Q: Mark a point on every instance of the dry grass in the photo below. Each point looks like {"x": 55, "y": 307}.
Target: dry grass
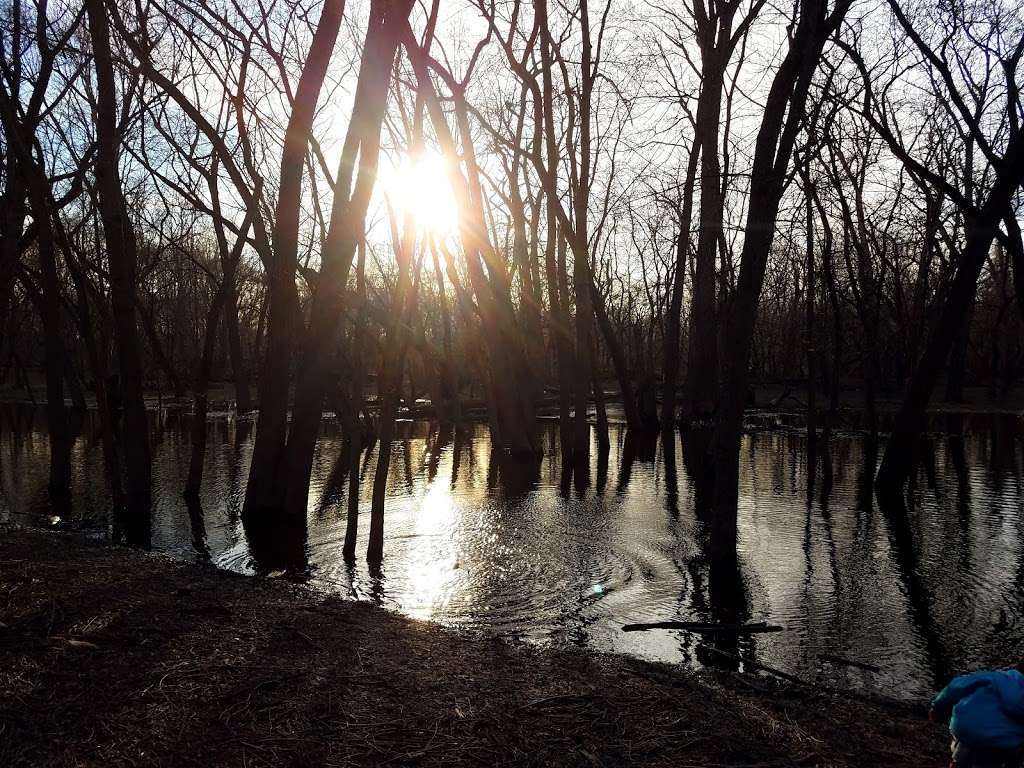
{"x": 111, "y": 657}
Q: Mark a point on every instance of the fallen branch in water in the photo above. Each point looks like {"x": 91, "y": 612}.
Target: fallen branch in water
{"x": 750, "y": 663}
{"x": 828, "y": 657}
{"x": 706, "y": 628}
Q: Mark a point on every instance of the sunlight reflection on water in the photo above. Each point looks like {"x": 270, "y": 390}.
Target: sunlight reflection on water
{"x": 535, "y": 553}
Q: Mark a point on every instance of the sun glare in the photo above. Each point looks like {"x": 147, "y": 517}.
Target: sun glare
{"x": 419, "y": 187}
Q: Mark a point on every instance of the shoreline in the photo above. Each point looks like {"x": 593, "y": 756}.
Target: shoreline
{"x": 770, "y": 398}
{"x": 114, "y": 656}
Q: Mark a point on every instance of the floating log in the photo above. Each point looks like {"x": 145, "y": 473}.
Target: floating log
{"x": 706, "y": 628}
{"x": 828, "y": 657}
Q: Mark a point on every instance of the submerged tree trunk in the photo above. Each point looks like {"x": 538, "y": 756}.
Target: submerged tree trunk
{"x": 673, "y": 322}
{"x": 812, "y": 353}
{"x": 221, "y": 298}
{"x": 354, "y": 426}
{"x": 201, "y": 396}
{"x": 346, "y": 230}
{"x": 55, "y": 367}
{"x": 702, "y": 363}
{"x": 783, "y": 115}
{"x": 558, "y": 325}
{"x": 583, "y": 369}
{"x": 98, "y": 363}
{"x": 47, "y": 295}
{"x": 265, "y": 491}
{"x": 898, "y": 461}
{"x": 122, "y": 254}
{"x": 614, "y": 347}
{"x": 603, "y": 441}
{"x": 239, "y": 372}
{"x": 390, "y": 379}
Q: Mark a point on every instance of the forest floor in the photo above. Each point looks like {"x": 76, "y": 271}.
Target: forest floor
{"x": 111, "y": 657}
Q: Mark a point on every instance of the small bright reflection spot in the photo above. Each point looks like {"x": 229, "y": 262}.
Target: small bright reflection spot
{"x": 55, "y": 520}
{"x": 597, "y": 589}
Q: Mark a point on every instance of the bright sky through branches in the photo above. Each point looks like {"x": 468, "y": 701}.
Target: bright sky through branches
{"x": 419, "y": 186}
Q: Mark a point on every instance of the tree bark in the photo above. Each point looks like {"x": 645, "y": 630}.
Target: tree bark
{"x": 346, "y": 230}
{"x": 702, "y": 364}
{"x": 356, "y": 433}
{"x": 266, "y": 489}
{"x": 122, "y": 253}
{"x": 898, "y": 461}
{"x": 221, "y": 297}
{"x": 239, "y": 372}
{"x": 782, "y": 117}
{"x": 614, "y": 347}
{"x": 673, "y": 322}
{"x": 390, "y": 379}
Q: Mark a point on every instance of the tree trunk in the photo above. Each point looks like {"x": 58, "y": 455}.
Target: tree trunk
{"x": 356, "y": 435}
{"x": 265, "y": 491}
{"x": 122, "y": 254}
{"x": 583, "y": 369}
{"x": 243, "y": 393}
{"x": 220, "y": 303}
{"x": 390, "y": 379}
{"x": 100, "y": 371}
{"x": 346, "y": 230}
{"x": 812, "y": 353}
{"x": 673, "y": 322}
{"x": 157, "y": 348}
{"x": 897, "y": 463}
{"x": 201, "y": 394}
{"x": 956, "y": 370}
{"x": 56, "y": 359}
{"x": 783, "y": 115}
{"x": 558, "y": 329}
{"x": 614, "y": 347}
{"x": 603, "y": 441}
{"x": 12, "y": 224}
{"x": 511, "y": 393}
{"x": 702, "y": 363}
{"x": 449, "y": 410}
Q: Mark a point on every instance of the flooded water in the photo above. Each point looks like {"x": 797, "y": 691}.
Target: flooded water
{"x": 537, "y": 554}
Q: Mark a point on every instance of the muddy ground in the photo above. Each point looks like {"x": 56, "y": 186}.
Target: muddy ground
{"x": 113, "y": 657}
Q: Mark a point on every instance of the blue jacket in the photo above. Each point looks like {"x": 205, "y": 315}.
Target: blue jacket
{"x": 987, "y": 709}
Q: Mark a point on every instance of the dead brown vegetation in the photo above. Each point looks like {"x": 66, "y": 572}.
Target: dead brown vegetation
{"x": 113, "y": 657}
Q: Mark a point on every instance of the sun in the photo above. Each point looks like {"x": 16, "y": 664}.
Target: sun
{"x": 418, "y": 186}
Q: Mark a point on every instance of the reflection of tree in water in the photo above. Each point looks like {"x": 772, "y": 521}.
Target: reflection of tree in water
{"x": 197, "y": 523}
{"x": 438, "y": 440}
{"x": 955, "y": 446}
{"x": 574, "y": 543}
{"x": 722, "y": 596}
{"x": 830, "y": 544}
{"x": 919, "y": 598}
{"x": 636, "y": 446}
{"x": 1004, "y": 434}
{"x": 668, "y": 454}
{"x": 517, "y": 476}
{"x": 689, "y": 569}
{"x": 333, "y": 490}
